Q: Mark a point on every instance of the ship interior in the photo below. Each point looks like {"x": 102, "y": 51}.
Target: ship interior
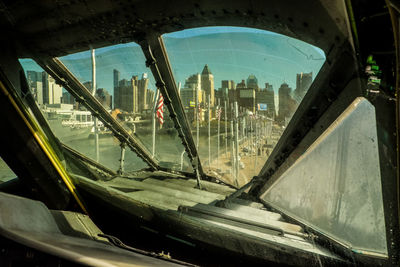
{"x": 325, "y": 193}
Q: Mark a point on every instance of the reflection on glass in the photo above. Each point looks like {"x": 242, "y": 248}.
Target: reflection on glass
{"x": 266, "y": 74}
{"x": 126, "y": 88}
{"x": 6, "y": 173}
{"x": 336, "y": 185}
{"x": 72, "y": 123}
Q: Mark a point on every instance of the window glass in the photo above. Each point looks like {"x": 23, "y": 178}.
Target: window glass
{"x": 336, "y": 185}
{"x": 127, "y": 89}
{"x": 267, "y": 74}
{"x": 73, "y": 124}
{"x": 6, "y": 173}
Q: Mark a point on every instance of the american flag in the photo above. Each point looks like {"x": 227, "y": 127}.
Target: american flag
{"x": 160, "y": 109}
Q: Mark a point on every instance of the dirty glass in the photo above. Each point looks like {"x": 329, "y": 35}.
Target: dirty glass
{"x": 126, "y": 87}
{"x": 267, "y": 74}
{"x": 72, "y": 123}
{"x": 336, "y": 185}
{"x": 6, "y": 173}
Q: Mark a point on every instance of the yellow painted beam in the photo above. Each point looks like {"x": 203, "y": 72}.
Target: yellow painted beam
{"x": 43, "y": 142}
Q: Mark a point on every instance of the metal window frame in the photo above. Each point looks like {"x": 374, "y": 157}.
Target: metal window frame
{"x": 157, "y": 60}
{"x": 64, "y": 77}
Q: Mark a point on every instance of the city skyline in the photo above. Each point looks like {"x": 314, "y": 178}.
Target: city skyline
{"x": 303, "y": 81}
{"x": 271, "y": 57}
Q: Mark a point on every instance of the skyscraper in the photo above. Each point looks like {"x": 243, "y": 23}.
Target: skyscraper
{"x": 229, "y": 84}
{"x": 247, "y": 99}
{"x": 284, "y": 101}
{"x": 303, "y": 82}
{"x": 245, "y": 96}
{"x": 207, "y": 84}
{"x": 67, "y": 98}
{"x": 52, "y": 92}
{"x": 150, "y": 98}
{"x": 126, "y": 93}
{"x": 117, "y": 98}
{"x": 35, "y": 83}
{"x": 116, "y": 77}
{"x": 252, "y": 82}
{"x": 267, "y": 96}
{"x": 223, "y": 92}
{"x": 188, "y": 92}
{"x": 88, "y": 86}
{"x": 104, "y": 98}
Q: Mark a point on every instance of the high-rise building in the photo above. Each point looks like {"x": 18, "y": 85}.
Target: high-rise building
{"x": 223, "y": 92}
{"x": 207, "y": 84}
{"x": 150, "y": 98}
{"x": 267, "y": 96}
{"x": 126, "y": 95}
{"x": 287, "y": 105}
{"x": 35, "y": 84}
{"x": 241, "y": 85}
{"x": 142, "y": 91}
{"x": 188, "y": 96}
{"x": 188, "y": 92}
{"x": 104, "y": 98}
{"x": 33, "y": 76}
{"x": 252, "y": 82}
{"x": 246, "y": 97}
{"x": 116, "y": 76}
{"x": 229, "y": 84}
{"x": 52, "y": 92}
{"x": 303, "y": 82}
{"x": 44, "y": 88}
{"x": 67, "y": 98}
{"x": 117, "y": 98}
{"x": 88, "y": 86}
{"x": 38, "y": 92}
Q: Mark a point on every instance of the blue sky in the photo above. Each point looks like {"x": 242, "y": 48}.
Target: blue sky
{"x": 232, "y": 53}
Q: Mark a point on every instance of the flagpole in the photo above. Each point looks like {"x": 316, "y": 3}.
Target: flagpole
{"x": 219, "y": 116}
{"x": 256, "y": 148}
{"x": 226, "y": 130}
{"x": 233, "y": 153}
{"x": 153, "y": 118}
{"x": 251, "y": 133}
{"x": 197, "y": 118}
{"x": 96, "y": 132}
{"x": 209, "y": 133}
{"x": 236, "y": 142}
